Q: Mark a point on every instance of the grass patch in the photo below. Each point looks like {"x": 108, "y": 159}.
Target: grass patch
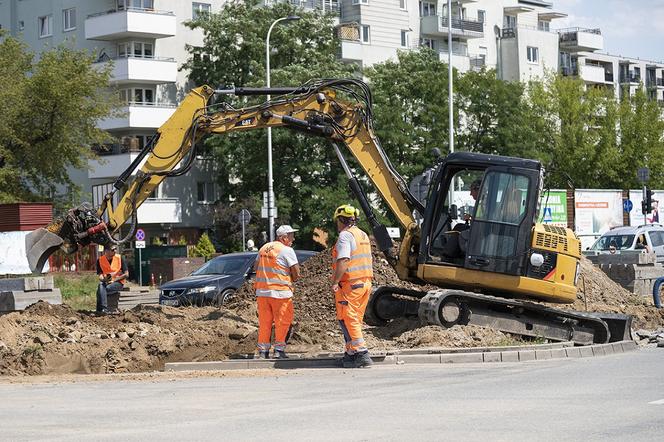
{"x": 79, "y": 290}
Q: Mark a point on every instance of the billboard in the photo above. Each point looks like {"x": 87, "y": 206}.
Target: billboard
{"x": 596, "y": 211}
{"x": 553, "y": 208}
{"x": 636, "y": 216}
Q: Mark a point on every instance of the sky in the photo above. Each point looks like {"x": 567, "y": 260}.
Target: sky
{"x": 631, "y": 28}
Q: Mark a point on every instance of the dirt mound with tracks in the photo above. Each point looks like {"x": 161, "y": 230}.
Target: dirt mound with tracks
{"x": 47, "y": 339}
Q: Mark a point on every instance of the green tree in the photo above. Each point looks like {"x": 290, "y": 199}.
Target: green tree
{"x": 306, "y": 172}
{"x": 203, "y": 247}
{"x": 49, "y": 109}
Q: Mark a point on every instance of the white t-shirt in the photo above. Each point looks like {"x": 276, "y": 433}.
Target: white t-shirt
{"x": 286, "y": 258}
{"x": 345, "y": 244}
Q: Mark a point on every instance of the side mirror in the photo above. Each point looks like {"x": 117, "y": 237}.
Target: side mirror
{"x": 454, "y": 212}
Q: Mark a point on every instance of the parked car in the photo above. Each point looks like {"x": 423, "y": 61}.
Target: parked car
{"x": 216, "y": 280}
{"x": 620, "y": 240}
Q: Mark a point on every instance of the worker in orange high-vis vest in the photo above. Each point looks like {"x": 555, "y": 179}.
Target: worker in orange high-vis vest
{"x": 112, "y": 271}
{"x": 352, "y": 272}
{"x": 276, "y": 269}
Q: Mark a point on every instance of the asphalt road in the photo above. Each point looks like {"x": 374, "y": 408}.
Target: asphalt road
{"x": 617, "y": 397}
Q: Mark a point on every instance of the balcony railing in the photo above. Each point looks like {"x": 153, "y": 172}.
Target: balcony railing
{"x": 464, "y": 24}
{"x": 570, "y": 34}
{"x": 326, "y": 5}
{"x": 131, "y": 9}
{"x": 631, "y": 78}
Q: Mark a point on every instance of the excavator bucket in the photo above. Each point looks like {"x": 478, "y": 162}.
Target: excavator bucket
{"x": 39, "y": 245}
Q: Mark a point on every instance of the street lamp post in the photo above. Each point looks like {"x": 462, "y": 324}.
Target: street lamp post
{"x": 270, "y": 181}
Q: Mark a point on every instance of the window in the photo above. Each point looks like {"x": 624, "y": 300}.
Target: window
{"x": 533, "y": 54}
{"x": 199, "y": 9}
{"x": 205, "y": 192}
{"x": 135, "y": 4}
{"x": 403, "y": 4}
{"x": 69, "y": 19}
{"x": 510, "y": 21}
{"x": 543, "y": 25}
{"x": 427, "y": 43}
{"x": 137, "y": 95}
{"x": 427, "y": 8}
{"x": 360, "y": 2}
{"x": 45, "y": 26}
{"x": 365, "y": 34}
{"x": 404, "y": 38}
{"x": 504, "y": 200}
{"x": 135, "y": 49}
{"x": 481, "y": 16}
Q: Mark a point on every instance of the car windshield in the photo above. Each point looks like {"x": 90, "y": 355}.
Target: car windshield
{"x": 620, "y": 242}
{"x": 223, "y": 265}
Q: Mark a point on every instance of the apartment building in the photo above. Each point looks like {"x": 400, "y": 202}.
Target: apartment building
{"x": 145, "y": 40}
{"x": 581, "y": 56}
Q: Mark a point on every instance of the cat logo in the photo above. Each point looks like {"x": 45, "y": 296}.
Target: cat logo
{"x": 245, "y": 122}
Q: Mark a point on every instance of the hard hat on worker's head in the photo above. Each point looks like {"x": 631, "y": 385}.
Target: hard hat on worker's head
{"x": 346, "y": 214}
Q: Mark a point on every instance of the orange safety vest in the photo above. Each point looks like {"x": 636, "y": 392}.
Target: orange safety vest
{"x": 270, "y": 275}
{"x": 360, "y": 264}
{"x": 114, "y": 268}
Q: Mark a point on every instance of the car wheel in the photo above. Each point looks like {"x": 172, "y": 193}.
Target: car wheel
{"x": 223, "y": 297}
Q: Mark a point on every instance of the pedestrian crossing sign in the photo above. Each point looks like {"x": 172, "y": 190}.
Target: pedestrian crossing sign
{"x": 547, "y": 218}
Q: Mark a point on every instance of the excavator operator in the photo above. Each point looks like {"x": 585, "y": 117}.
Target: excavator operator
{"x": 352, "y": 272}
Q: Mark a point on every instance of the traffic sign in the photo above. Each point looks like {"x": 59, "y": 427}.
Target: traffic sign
{"x": 140, "y": 235}
{"x": 548, "y": 216}
{"x": 628, "y": 205}
{"x": 643, "y": 174}
{"x": 140, "y": 244}
{"x": 244, "y": 217}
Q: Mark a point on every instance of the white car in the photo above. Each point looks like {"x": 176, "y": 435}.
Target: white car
{"x": 625, "y": 240}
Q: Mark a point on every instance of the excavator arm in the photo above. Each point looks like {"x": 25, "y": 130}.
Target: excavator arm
{"x": 339, "y": 110}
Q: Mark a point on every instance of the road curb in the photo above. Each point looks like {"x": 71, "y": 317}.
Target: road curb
{"x": 422, "y": 356}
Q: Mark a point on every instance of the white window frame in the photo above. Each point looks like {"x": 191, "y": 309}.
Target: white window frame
{"x": 404, "y": 38}
{"x": 532, "y": 54}
{"x": 135, "y": 4}
{"x": 68, "y": 19}
{"x": 365, "y": 35}
{"x": 198, "y": 7}
{"x": 403, "y": 5}
{"x": 45, "y": 26}
{"x": 481, "y": 15}
{"x": 360, "y": 2}
{"x": 428, "y": 43}
{"x": 544, "y": 25}
{"x": 507, "y": 23}
{"x": 427, "y": 9}
{"x": 128, "y": 95}
{"x": 127, "y": 49}
{"x": 21, "y": 25}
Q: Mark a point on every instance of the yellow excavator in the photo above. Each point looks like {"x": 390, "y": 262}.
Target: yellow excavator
{"x": 489, "y": 268}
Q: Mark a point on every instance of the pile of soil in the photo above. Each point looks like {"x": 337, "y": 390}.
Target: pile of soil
{"x": 46, "y": 339}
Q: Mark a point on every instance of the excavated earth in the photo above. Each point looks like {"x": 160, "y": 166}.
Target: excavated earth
{"x": 55, "y": 339}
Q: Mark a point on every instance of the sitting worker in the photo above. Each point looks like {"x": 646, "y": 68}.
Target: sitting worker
{"x": 112, "y": 271}
{"x": 474, "y": 192}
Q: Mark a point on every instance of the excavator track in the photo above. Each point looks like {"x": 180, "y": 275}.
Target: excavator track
{"x": 449, "y": 307}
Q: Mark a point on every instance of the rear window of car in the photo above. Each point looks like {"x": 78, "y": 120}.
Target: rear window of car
{"x": 224, "y": 265}
{"x": 620, "y": 242}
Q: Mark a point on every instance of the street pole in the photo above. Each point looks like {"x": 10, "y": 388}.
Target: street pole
{"x": 270, "y": 181}
{"x": 244, "y": 243}
{"x": 643, "y": 198}
{"x": 140, "y": 268}
{"x": 449, "y": 92}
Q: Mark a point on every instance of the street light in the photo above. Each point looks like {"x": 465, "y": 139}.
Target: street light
{"x": 270, "y": 181}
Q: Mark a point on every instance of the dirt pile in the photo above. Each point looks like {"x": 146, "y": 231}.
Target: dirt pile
{"x": 598, "y": 293}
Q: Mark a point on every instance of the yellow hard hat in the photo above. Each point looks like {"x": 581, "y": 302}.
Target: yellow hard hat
{"x": 347, "y": 211}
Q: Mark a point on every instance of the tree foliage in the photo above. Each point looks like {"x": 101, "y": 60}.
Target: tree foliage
{"x": 49, "y": 109}
{"x": 203, "y": 247}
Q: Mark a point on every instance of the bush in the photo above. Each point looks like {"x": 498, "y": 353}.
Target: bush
{"x": 204, "y": 247}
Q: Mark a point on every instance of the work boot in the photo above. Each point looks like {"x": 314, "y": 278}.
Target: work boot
{"x": 280, "y": 354}
{"x": 264, "y": 354}
{"x": 348, "y": 361}
{"x": 362, "y": 360}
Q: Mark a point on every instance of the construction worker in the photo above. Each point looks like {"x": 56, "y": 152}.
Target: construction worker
{"x": 276, "y": 270}
{"x": 112, "y": 271}
{"x": 352, "y": 272}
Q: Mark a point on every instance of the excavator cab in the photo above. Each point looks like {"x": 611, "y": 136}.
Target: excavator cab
{"x": 495, "y": 235}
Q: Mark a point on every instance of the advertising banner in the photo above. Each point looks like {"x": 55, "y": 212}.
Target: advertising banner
{"x": 635, "y": 215}
{"x": 596, "y": 211}
{"x": 553, "y": 208}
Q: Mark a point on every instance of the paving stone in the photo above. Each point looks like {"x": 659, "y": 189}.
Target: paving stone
{"x": 420, "y": 359}
{"x": 573, "y": 352}
{"x": 598, "y": 351}
{"x": 608, "y": 349}
{"x": 542, "y": 355}
{"x": 491, "y": 356}
{"x": 628, "y": 345}
{"x": 558, "y": 353}
{"x": 509, "y": 356}
{"x": 586, "y": 352}
{"x": 527, "y": 355}
{"x": 461, "y": 358}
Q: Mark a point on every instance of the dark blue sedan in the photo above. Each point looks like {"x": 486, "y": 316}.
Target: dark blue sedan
{"x": 215, "y": 281}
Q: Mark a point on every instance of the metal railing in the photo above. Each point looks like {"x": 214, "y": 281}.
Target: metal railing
{"x": 327, "y": 5}
{"x": 477, "y": 61}
{"x": 464, "y": 24}
{"x": 631, "y": 78}
{"x": 597, "y": 31}
{"x": 132, "y": 9}
{"x": 508, "y": 33}
{"x": 149, "y": 104}
{"x": 104, "y": 58}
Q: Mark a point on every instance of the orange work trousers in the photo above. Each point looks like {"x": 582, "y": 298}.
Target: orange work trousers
{"x": 279, "y": 312}
{"x": 351, "y": 302}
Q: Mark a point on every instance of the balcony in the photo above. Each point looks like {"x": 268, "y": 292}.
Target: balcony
{"x": 133, "y": 22}
{"x": 629, "y": 77}
{"x": 139, "y": 116}
{"x": 329, "y": 6}
{"x": 592, "y": 74}
{"x": 660, "y": 82}
{"x": 152, "y": 70}
{"x": 608, "y": 77}
{"x": 351, "y": 50}
{"x": 160, "y": 210}
{"x": 580, "y": 39}
{"x": 436, "y": 25}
